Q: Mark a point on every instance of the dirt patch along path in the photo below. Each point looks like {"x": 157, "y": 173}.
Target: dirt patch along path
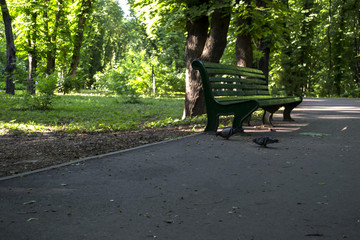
{"x": 24, "y": 153}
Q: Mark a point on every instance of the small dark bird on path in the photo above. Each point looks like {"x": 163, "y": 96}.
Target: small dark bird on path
{"x": 264, "y": 140}
{"x": 226, "y": 133}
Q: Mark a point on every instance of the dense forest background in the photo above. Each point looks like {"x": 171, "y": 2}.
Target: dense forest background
{"x": 312, "y": 47}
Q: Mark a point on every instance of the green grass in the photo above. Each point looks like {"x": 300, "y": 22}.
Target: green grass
{"x": 90, "y": 113}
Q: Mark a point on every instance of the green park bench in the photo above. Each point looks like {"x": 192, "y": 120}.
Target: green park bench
{"x": 239, "y": 91}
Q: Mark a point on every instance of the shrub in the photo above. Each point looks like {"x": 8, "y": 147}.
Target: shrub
{"x": 115, "y": 82}
{"x": 45, "y": 87}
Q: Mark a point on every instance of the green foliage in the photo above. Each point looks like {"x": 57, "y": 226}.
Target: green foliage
{"x": 37, "y": 102}
{"x": 43, "y": 100}
{"x": 46, "y": 84}
{"x": 113, "y": 81}
{"x": 106, "y": 40}
{"x": 318, "y": 55}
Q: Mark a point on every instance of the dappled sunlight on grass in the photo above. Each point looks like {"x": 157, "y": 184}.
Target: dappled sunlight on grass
{"x": 91, "y": 113}
{"x": 13, "y": 128}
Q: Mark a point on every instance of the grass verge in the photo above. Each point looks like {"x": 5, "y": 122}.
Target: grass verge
{"x": 91, "y": 113}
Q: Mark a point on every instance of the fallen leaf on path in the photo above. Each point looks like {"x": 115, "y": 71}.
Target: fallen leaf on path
{"x": 29, "y": 202}
{"x": 314, "y": 134}
{"x": 31, "y": 219}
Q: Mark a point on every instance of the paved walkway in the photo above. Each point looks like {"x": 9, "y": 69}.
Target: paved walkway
{"x": 203, "y": 187}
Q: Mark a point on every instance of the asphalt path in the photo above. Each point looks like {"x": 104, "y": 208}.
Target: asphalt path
{"x": 203, "y": 187}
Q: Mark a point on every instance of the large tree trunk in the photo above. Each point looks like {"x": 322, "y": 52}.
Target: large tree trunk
{"x": 265, "y": 59}
{"x": 10, "y": 49}
{"x": 243, "y": 47}
{"x": 83, "y": 15}
{"x": 207, "y": 47}
{"x": 217, "y": 38}
{"x": 197, "y": 33}
{"x": 244, "y": 50}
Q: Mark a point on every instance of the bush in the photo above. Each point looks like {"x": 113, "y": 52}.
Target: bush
{"x": 2, "y": 85}
{"x": 45, "y": 87}
{"x": 111, "y": 81}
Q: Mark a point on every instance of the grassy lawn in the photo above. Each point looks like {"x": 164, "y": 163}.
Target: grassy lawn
{"x": 90, "y": 113}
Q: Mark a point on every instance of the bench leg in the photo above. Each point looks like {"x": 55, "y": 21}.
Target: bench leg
{"x": 240, "y": 110}
{"x": 288, "y": 109}
{"x": 212, "y": 122}
{"x": 244, "y": 114}
{"x": 247, "y": 120}
{"x": 268, "y": 115}
{"x": 267, "y": 118}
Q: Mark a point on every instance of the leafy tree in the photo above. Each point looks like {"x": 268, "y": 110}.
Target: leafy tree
{"x": 106, "y": 39}
{"x": 52, "y": 31}
{"x": 206, "y": 23}
{"x": 204, "y": 43}
{"x": 294, "y": 55}
{"x": 31, "y": 14}
{"x": 83, "y": 14}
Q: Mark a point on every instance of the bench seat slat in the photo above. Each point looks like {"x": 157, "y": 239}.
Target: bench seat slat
{"x": 277, "y": 101}
{"x": 263, "y": 102}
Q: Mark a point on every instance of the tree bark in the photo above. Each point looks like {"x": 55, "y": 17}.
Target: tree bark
{"x": 197, "y": 33}
{"x": 51, "y": 38}
{"x": 206, "y": 47}
{"x": 83, "y": 15}
{"x": 244, "y": 50}
{"x": 217, "y": 38}
{"x": 10, "y": 49}
{"x": 265, "y": 59}
{"x": 243, "y": 47}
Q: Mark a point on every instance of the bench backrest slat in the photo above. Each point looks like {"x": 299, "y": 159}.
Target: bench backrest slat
{"x": 226, "y": 86}
{"x": 256, "y": 92}
{"x": 228, "y": 93}
{"x": 222, "y": 81}
{"x": 210, "y": 65}
{"x": 213, "y": 71}
{"x": 237, "y": 79}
